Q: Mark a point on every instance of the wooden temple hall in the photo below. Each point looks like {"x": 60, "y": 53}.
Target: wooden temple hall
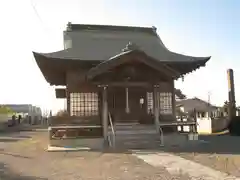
{"x": 116, "y": 74}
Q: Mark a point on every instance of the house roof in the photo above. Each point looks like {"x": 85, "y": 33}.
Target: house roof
{"x": 102, "y": 42}
{"x": 197, "y": 104}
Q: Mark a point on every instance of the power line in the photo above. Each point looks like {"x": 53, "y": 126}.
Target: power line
{"x": 46, "y": 29}
{"x": 39, "y": 17}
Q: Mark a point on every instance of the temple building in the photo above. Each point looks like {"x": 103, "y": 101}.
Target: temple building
{"x": 124, "y": 71}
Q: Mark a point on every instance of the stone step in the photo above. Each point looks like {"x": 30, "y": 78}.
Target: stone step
{"x": 135, "y": 135}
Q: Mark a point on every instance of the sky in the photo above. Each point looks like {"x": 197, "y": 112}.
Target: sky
{"x": 191, "y": 27}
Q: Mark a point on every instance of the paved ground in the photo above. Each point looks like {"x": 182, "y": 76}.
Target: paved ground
{"x": 22, "y": 157}
{"x": 175, "y": 164}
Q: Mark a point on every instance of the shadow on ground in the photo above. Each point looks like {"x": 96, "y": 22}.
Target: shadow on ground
{"x": 224, "y": 144}
{"x": 23, "y": 127}
{"x": 8, "y": 174}
{"x": 207, "y": 144}
{"x": 8, "y": 138}
{"x": 2, "y": 152}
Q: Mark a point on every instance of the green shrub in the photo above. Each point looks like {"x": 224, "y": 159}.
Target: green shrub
{"x": 6, "y": 110}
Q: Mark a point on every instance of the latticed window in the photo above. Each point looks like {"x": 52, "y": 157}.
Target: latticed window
{"x": 165, "y": 102}
{"x": 149, "y": 102}
{"x": 84, "y": 104}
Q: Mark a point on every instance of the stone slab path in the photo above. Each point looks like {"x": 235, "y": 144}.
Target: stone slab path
{"x": 178, "y": 165}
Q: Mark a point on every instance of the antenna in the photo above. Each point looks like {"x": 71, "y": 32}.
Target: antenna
{"x": 209, "y": 97}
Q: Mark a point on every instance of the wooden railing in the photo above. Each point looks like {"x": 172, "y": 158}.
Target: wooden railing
{"x": 112, "y": 135}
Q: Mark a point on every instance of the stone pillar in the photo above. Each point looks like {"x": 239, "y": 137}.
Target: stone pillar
{"x": 156, "y": 107}
{"x": 105, "y": 114}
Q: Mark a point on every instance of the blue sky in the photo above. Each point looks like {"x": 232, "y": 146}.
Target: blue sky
{"x": 192, "y": 27}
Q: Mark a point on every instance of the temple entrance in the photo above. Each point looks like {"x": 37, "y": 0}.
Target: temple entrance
{"x": 127, "y": 104}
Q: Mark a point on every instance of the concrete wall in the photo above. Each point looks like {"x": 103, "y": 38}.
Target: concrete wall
{"x": 208, "y": 125}
{"x": 204, "y": 125}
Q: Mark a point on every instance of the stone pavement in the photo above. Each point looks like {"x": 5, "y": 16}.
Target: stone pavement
{"x": 176, "y": 165}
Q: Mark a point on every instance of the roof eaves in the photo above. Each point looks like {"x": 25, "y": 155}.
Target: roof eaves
{"x": 94, "y": 71}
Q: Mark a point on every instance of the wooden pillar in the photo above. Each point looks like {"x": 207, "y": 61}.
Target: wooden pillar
{"x": 68, "y": 101}
{"x": 173, "y": 100}
{"x": 156, "y": 107}
{"x": 127, "y": 110}
{"x": 105, "y": 114}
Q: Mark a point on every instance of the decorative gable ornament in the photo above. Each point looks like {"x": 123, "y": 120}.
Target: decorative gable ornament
{"x": 182, "y": 78}
{"x": 130, "y": 47}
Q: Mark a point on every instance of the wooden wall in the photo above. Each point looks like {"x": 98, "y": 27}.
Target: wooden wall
{"x": 76, "y": 82}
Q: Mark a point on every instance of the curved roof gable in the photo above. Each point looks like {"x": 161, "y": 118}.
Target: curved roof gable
{"x": 96, "y": 42}
{"x": 99, "y": 43}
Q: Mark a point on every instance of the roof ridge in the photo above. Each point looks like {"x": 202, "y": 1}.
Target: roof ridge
{"x": 76, "y": 27}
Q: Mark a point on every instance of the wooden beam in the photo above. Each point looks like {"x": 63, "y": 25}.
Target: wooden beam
{"x": 126, "y": 84}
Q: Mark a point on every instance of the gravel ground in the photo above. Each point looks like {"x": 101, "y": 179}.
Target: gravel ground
{"x": 218, "y": 152}
{"x": 23, "y": 157}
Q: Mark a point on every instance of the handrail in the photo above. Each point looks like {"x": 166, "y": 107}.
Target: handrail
{"x": 111, "y": 143}
{"x": 161, "y": 136}
{"x": 178, "y": 123}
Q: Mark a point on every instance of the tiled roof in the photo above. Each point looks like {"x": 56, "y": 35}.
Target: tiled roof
{"x": 98, "y": 43}
{"x": 195, "y": 103}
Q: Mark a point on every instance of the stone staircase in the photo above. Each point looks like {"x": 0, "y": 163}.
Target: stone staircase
{"x": 136, "y": 136}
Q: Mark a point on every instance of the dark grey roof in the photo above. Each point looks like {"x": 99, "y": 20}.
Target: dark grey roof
{"x": 195, "y": 103}
{"x": 97, "y": 42}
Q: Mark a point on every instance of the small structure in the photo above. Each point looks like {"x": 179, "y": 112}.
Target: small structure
{"x": 203, "y": 109}
{"x": 209, "y": 117}
{"x": 122, "y": 72}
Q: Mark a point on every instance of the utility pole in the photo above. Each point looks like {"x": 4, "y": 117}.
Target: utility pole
{"x": 209, "y": 98}
{"x": 231, "y": 94}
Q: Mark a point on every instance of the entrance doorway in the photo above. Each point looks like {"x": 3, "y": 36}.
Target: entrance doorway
{"x": 127, "y": 104}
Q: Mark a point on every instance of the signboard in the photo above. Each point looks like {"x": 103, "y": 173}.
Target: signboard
{"x": 60, "y": 93}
